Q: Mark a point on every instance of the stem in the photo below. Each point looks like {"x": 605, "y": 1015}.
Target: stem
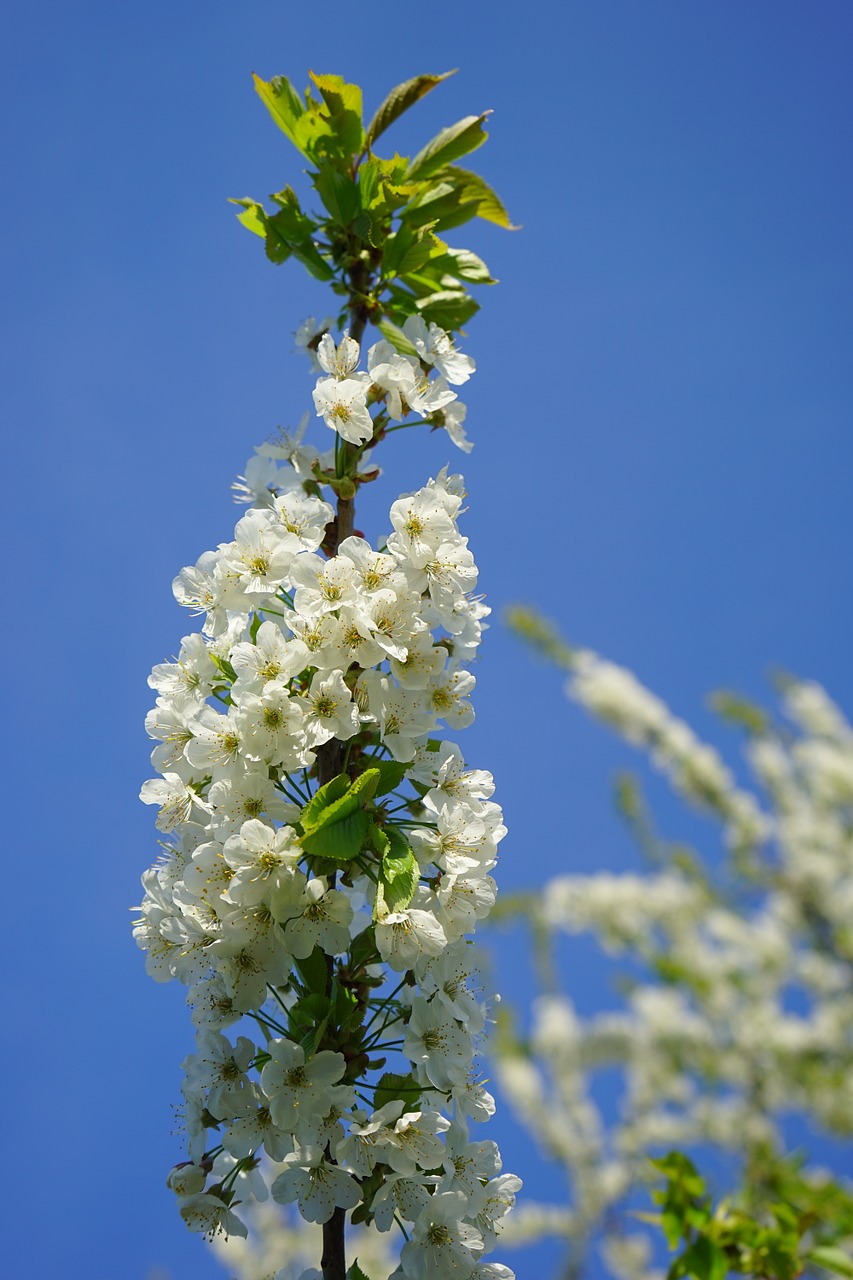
{"x": 334, "y": 1260}
{"x": 330, "y": 756}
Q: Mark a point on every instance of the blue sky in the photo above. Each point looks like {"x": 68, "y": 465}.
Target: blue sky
{"x": 662, "y": 426}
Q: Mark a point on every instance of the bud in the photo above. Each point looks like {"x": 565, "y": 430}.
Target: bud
{"x": 186, "y": 1179}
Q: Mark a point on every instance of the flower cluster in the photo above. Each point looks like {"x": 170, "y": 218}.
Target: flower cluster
{"x": 332, "y": 912}
{"x": 740, "y": 1011}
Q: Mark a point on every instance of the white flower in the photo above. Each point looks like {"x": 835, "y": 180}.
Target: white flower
{"x": 403, "y": 937}
{"x": 307, "y": 336}
{"x": 342, "y": 404}
{"x": 436, "y": 1041}
{"x": 219, "y": 1067}
{"x": 209, "y": 1215}
{"x": 329, "y": 709}
{"x": 339, "y": 361}
{"x": 174, "y": 797}
{"x": 302, "y": 520}
{"x": 262, "y": 859}
{"x": 442, "y": 1244}
{"x": 294, "y": 1086}
{"x": 259, "y": 558}
{"x": 272, "y": 657}
{"x": 434, "y": 346}
{"x": 312, "y": 916}
{"x": 319, "y": 1186}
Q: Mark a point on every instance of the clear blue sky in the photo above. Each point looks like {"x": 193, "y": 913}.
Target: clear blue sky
{"x": 662, "y": 424}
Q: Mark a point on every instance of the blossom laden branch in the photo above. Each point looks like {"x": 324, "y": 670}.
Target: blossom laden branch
{"x": 326, "y": 841}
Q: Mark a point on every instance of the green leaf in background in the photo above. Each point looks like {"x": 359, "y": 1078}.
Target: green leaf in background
{"x": 393, "y": 1087}
{"x": 455, "y": 141}
{"x": 402, "y": 97}
{"x": 355, "y": 1272}
{"x": 703, "y": 1260}
{"x": 832, "y": 1259}
{"x": 399, "y": 342}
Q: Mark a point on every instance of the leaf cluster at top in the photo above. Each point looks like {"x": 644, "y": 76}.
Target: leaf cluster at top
{"x": 378, "y": 237}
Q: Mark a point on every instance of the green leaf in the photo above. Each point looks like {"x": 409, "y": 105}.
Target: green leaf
{"x": 314, "y": 1036}
{"x": 468, "y": 266}
{"x": 334, "y": 821}
{"x": 406, "y": 250}
{"x": 457, "y": 140}
{"x": 369, "y": 229}
{"x": 740, "y": 711}
{"x": 472, "y": 187}
{"x": 364, "y": 786}
{"x": 253, "y": 216}
{"x": 402, "y": 97}
{"x": 391, "y": 772}
{"x": 368, "y": 182}
{"x": 343, "y": 111}
{"x": 321, "y": 799}
{"x": 363, "y": 948}
{"x": 284, "y": 105}
{"x": 399, "y": 342}
{"x": 312, "y": 970}
{"x": 223, "y": 665}
{"x": 833, "y": 1259}
{"x": 340, "y": 839}
{"x": 449, "y": 310}
{"x": 398, "y": 875}
{"x": 393, "y": 1087}
{"x": 311, "y": 258}
{"x": 672, "y": 1225}
{"x": 355, "y": 1272}
{"x": 339, "y": 194}
{"x": 379, "y": 841}
{"x": 442, "y": 205}
{"x": 704, "y": 1260}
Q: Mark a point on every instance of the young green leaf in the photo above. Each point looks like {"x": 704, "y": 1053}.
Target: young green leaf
{"x": 833, "y": 1259}
{"x": 364, "y": 786}
{"x": 322, "y": 798}
{"x": 455, "y": 141}
{"x": 400, "y": 343}
{"x": 402, "y": 97}
{"x": 253, "y": 216}
{"x": 343, "y": 111}
{"x": 703, "y": 1260}
{"x": 339, "y": 194}
{"x": 391, "y": 772}
{"x": 398, "y": 875}
{"x": 283, "y": 103}
{"x": 339, "y": 839}
{"x": 472, "y": 187}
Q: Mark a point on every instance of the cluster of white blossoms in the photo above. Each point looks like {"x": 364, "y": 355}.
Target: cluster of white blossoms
{"x": 330, "y": 922}
{"x": 277, "y": 1233}
{"x": 617, "y": 697}
{"x": 740, "y": 1006}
